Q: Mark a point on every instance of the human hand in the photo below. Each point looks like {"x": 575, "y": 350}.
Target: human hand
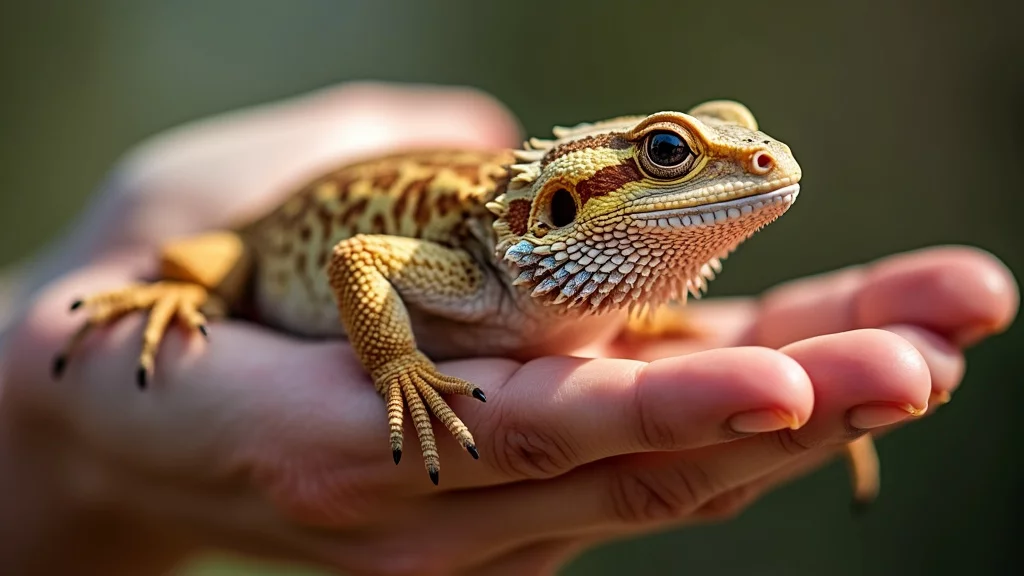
{"x": 254, "y": 439}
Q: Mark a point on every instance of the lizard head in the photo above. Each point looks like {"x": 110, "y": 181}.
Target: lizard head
{"x": 639, "y": 210}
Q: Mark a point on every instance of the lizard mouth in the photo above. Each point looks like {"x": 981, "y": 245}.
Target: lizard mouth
{"x": 780, "y": 199}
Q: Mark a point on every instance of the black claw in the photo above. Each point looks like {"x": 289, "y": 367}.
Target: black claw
{"x": 397, "y": 454}
{"x": 202, "y": 330}
{"x": 59, "y": 364}
{"x": 140, "y": 377}
{"x": 479, "y": 395}
{"x": 435, "y": 475}
{"x": 77, "y": 304}
{"x": 472, "y": 452}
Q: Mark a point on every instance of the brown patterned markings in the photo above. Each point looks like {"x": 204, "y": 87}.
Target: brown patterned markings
{"x": 518, "y": 216}
{"x": 326, "y": 218}
{"x": 352, "y": 211}
{"x": 418, "y": 188}
{"x": 378, "y": 226}
{"x": 607, "y": 180}
{"x": 294, "y": 209}
{"x": 344, "y": 183}
{"x": 613, "y": 140}
{"x": 399, "y": 205}
{"x": 469, "y": 172}
{"x": 448, "y": 203}
{"x": 300, "y": 262}
{"x": 458, "y": 157}
{"x": 385, "y": 180}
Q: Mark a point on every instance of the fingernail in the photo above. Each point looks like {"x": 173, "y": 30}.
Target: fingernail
{"x": 941, "y": 397}
{"x": 757, "y": 421}
{"x": 868, "y": 416}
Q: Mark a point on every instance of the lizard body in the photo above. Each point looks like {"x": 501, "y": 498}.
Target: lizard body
{"x": 427, "y": 255}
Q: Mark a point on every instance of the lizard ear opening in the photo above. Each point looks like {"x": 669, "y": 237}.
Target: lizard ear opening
{"x": 562, "y": 208}
{"x": 725, "y": 111}
{"x": 557, "y": 210}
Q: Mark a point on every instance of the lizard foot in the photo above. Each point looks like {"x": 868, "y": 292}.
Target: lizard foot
{"x": 414, "y": 381}
{"x": 164, "y": 300}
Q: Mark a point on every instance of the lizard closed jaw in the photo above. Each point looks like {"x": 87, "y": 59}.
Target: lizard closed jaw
{"x": 695, "y": 216}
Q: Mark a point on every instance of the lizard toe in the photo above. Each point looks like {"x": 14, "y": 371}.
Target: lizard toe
{"x": 165, "y": 301}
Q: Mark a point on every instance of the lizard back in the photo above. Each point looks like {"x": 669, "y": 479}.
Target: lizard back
{"x": 431, "y": 195}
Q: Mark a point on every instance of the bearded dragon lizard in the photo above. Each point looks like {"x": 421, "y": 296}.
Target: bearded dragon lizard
{"x": 428, "y": 255}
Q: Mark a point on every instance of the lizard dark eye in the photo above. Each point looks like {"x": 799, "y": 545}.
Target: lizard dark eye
{"x": 666, "y": 155}
{"x": 563, "y": 208}
{"x": 667, "y": 149}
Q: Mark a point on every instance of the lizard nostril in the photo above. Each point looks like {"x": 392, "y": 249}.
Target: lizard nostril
{"x": 761, "y": 162}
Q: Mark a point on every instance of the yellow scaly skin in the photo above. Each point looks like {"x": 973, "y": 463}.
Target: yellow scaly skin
{"x": 430, "y": 255}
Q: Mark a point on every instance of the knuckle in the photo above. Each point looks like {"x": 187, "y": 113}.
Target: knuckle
{"x": 522, "y": 451}
{"x": 311, "y": 493}
{"x": 728, "y": 505}
{"x": 640, "y": 495}
{"x": 787, "y": 441}
{"x": 652, "y": 432}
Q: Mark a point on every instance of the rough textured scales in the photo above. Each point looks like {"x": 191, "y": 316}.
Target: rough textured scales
{"x": 429, "y": 255}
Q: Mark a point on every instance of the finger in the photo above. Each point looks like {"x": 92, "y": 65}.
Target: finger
{"x": 960, "y": 293}
{"x": 555, "y": 414}
{"x": 946, "y": 362}
{"x": 870, "y": 368}
{"x": 946, "y": 367}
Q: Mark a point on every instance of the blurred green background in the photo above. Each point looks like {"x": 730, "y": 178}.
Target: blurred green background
{"x": 906, "y": 117}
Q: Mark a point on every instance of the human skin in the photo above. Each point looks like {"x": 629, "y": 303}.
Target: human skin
{"x": 264, "y": 444}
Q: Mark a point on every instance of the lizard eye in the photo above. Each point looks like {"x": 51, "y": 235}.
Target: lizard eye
{"x": 666, "y": 155}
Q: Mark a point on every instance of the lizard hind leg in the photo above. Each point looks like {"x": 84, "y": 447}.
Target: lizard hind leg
{"x": 165, "y": 301}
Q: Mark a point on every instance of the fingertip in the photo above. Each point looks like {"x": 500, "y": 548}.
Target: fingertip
{"x": 871, "y": 363}
{"x": 996, "y": 291}
{"x": 976, "y": 293}
{"x": 739, "y": 378}
{"x": 946, "y": 362}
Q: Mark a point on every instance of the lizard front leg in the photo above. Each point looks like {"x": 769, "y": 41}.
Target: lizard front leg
{"x": 373, "y": 277}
